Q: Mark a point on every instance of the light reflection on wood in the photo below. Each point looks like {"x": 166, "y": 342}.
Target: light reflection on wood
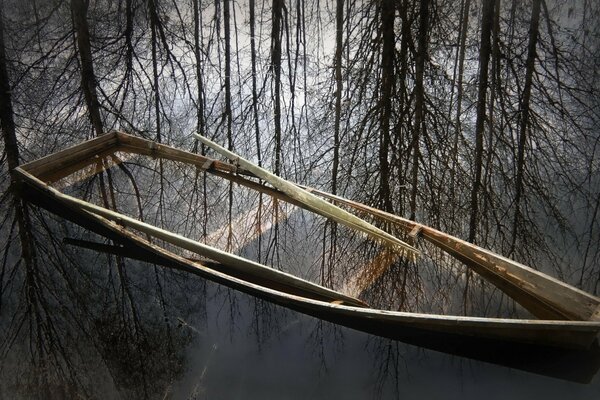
{"x": 246, "y": 227}
{"x": 87, "y": 168}
{"x": 369, "y": 273}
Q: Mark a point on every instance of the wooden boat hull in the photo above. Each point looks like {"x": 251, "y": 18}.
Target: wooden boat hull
{"x": 454, "y": 331}
{"x": 402, "y": 326}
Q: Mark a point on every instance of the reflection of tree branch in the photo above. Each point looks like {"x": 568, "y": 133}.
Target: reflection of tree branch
{"x": 388, "y": 358}
{"x": 134, "y": 185}
{"x": 326, "y": 339}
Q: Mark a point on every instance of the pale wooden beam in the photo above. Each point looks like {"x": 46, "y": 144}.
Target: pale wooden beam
{"x": 316, "y": 203}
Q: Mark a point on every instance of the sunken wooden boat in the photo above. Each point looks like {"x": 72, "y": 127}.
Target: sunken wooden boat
{"x": 568, "y": 317}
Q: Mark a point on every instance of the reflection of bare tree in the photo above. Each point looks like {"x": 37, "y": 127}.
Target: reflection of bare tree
{"x": 60, "y": 312}
{"x": 389, "y": 366}
{"x": 326, "y": 340}
{"x": 65, "y": 313}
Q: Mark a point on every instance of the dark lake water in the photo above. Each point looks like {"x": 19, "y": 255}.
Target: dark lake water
{"x": 76, "y": 323}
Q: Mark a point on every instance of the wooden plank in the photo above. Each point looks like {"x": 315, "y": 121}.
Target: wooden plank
{"x": 331, "y": 211}
{"x": 541, "y": 294}
{"x": 137, "y": 253}
{"x": 247, "y": 227}
{"x": 117, "y": 250}
{"x": 367, "y": 275}
{"x": 215, "y": 167}
{"x": 63, "y": 159}
{"x": 146, "y": 147}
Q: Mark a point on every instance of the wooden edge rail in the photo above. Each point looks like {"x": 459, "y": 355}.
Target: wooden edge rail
{"x": 147, "y": 147}
{"x": 316, "y": 203}
{"x": 135, "y": 252}
{"x": 62, "y": 160}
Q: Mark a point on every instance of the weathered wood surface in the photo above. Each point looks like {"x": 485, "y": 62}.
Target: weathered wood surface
{"x": 83, "y": 169}
{"x": 313, "y": 202}
{"x": 147, "y": 147}
{"x": 247, "y": 227}
{"x": 369, "y": 273}
{"x": 133, "y": 251}
{"x": 61, "y": 160}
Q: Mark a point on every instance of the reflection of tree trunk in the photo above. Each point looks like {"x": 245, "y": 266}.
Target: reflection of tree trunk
{"x": 228, "y": 112}
{"x": 255, "y": 115}
{"x": 590, "y": 244}
{"x": 339, "y": 29}
{"x": 127, "y": 80}
{"x": 154, "y": 22}
{"x": 495, "y": 89}
{"x": 331, "y": 252}
{"x": 487, "y": 20}
{"x": 11, "y": 147}
{"x": 276, "y": 32}
{"x": 459, "y": 94}
{"x": 419, "y": 102}
{"x": 6, "y": 111}
{"x": 153, "y": 39}
{"x": 21, "y": 211}
{"x": 276, "y": 65}
{"x": 200, "y": 107}
{"x": 524, "y": 115}
{"x": 88, "y": 78}
{"x": 387, "y": 84}
{"x": 403, "y": 101}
